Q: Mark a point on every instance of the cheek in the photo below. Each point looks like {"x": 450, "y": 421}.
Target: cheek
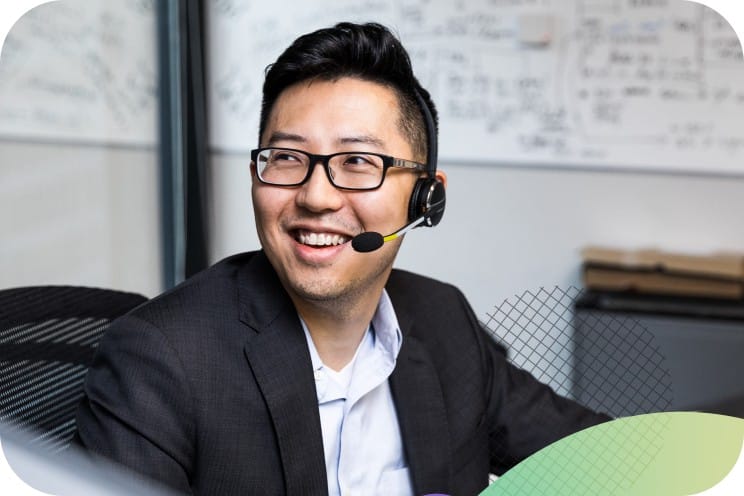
{"x": 266, "y": 207}
{"x": 387, "y": 208}
{"x": 403, "y": 192}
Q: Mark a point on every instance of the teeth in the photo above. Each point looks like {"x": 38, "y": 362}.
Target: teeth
{"x": 321, "y": 239}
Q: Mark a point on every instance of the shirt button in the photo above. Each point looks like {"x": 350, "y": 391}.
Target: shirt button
{"x": 317, "y": 375}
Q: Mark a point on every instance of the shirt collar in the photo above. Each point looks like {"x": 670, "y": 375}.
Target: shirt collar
{"x": 386, "y": 329}
{"x": 386, "y": 332}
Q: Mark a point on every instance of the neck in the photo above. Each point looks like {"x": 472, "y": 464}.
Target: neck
{"x": 337, "y": 328}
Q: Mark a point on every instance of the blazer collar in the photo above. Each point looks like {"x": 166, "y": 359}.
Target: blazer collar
{"x": 261, "y": 296}
{"x": 420, "y": 406}
{"x": 279, "y": 358}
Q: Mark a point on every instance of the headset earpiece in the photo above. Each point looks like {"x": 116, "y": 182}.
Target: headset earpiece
{"x": 428, "y": 199}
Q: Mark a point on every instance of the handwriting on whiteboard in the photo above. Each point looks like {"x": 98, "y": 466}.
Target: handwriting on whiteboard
{"x": 82, "y": 71}
{"x": 621, "y": 83}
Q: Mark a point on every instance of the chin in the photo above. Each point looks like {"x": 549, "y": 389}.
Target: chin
{"x": 320, "y": 290}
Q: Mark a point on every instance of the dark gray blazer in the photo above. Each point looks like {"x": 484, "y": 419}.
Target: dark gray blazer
{"x": 209, "y": 388}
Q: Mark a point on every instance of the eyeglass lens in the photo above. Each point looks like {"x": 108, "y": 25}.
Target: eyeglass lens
{"x": 355, "y": 170}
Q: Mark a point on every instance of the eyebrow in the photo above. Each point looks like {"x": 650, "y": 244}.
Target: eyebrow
{"x": 363, "y": 139}
{"x": 346, "y": 140}
{"x": 282, "y": 136}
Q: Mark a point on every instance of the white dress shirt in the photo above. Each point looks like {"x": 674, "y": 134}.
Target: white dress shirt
{"x": 361, "y": 437}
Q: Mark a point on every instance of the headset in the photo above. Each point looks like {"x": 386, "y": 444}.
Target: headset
{"x": 426, "y": 205}
{"x": 428, "y": 198}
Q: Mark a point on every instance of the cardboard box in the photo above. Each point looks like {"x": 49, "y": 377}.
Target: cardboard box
{"x": 653, "y": 271}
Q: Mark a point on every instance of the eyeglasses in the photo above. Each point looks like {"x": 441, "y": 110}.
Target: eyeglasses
{"x": 345, "y": 170}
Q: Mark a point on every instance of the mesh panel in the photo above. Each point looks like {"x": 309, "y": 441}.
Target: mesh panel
{"x": 48, "y": 337}
{"x": 608, "y": 363}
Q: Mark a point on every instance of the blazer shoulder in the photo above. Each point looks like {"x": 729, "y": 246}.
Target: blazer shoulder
{"x": 410, "y": 288}
{"x": 205, "y": 294}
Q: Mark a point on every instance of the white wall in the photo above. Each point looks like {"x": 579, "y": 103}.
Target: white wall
{"x": 79, "y": 215}
{"x": 507, "y": 230}
{"x": 78, "y": 147}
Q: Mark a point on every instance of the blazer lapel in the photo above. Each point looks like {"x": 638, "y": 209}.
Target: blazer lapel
{"x": 422, "y": 417}
{"x": 278, "y": 355}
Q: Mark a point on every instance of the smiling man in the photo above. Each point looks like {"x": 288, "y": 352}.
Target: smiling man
{"x": 305, "y": 229}
{"x": 311, "y": 366}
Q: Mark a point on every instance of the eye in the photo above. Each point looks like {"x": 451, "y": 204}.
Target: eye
{"x": 285, "y": 156}
{"x": 361, "y": 161}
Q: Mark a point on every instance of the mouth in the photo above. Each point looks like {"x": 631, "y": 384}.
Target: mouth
{"x": 319, "y": 239}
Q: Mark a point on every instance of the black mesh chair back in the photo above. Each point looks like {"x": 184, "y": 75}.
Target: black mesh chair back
{"x": 48, "y": 335}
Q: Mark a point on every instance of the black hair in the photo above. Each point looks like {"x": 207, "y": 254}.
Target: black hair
{"x": 370, "y": 52}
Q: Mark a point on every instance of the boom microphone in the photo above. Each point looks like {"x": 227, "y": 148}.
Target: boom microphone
{"x": 370, "y": 240}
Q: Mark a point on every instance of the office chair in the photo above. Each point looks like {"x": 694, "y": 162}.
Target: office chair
{"x": 48, "y": 335}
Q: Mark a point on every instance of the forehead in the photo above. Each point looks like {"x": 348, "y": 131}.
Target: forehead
{"x": 320, "y": 110}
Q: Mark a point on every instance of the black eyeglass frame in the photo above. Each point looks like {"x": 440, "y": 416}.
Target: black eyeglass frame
{"x": 387, "y": 162}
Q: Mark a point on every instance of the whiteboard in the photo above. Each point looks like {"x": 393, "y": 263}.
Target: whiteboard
{"x": 81, "y": 71}
{"x": 638, "y": 84}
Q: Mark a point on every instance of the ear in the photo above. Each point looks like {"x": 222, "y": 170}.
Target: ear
{"x": 441, "y": 177}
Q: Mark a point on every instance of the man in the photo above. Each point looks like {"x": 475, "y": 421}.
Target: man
{"x": 310, "y": 367}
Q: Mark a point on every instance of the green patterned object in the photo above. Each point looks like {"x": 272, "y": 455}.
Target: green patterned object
{"x": 672, "y": 453}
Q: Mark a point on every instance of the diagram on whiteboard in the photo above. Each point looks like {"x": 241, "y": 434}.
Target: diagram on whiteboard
{"x": 81, "y": 71}
{"x": 644, "y": 84}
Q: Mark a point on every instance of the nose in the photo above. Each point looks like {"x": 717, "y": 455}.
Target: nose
{"x": 318, "y": 194}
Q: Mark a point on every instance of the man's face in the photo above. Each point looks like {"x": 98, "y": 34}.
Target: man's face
{"x": 295, "y": 224}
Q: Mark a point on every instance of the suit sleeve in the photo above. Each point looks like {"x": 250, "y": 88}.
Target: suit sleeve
{"x": 137, "y": 408}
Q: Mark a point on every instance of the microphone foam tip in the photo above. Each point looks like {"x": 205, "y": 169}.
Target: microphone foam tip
{"x": 367, "y": 241}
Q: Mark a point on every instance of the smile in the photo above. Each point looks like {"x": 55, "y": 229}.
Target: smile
{"x": 320, "y": 239}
